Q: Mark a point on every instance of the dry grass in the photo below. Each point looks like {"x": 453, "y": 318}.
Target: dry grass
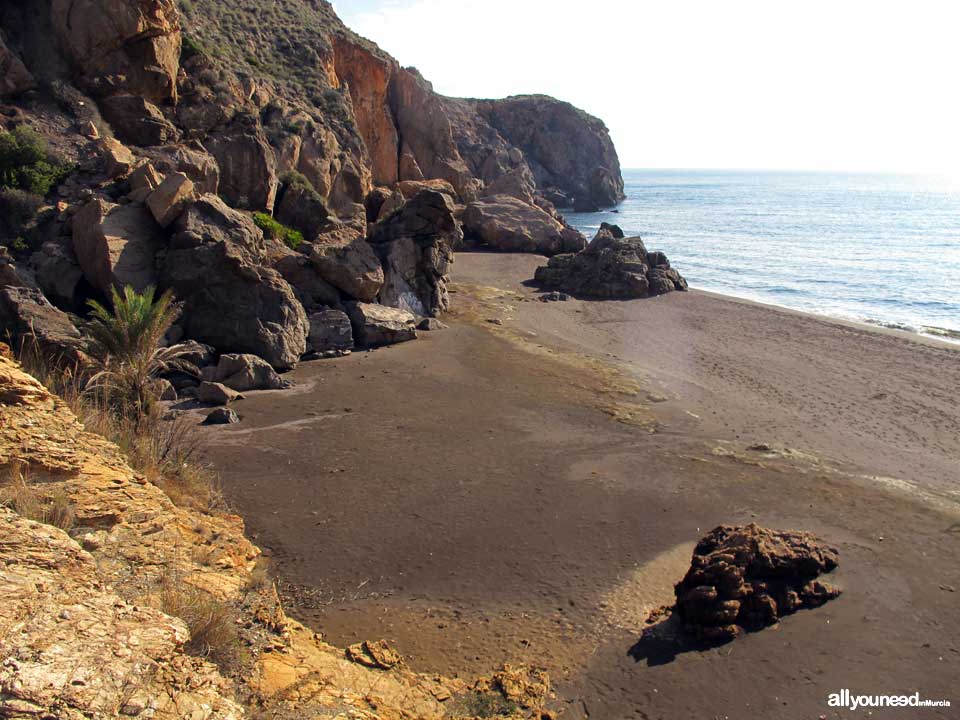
{"x": 52, "y": 507}
{"x": 165, "y": 449}
{"x": 213, "y": 623}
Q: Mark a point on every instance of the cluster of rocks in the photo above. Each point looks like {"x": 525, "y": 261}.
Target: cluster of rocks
{"x": 749, "y": 577}
{"x": 611, "y": 266}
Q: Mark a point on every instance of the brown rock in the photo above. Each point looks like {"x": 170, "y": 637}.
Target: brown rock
{"x": 137, "y": 43}
{"x": 330, "y": 331}
{"x": 243, "y": 372}
{"x": 145, "y": 177}
{"x": 193, "y": 161}
{"x": 214, "y": 393}
{"x": 170, "y": 198}
{"x": 57, "y": 271}
{"x": 375, "y": 325}
{"x": 350, "y": 264}
{"x": 749, "y": 577}
{"x": 409, "y": 188}
{"x": 27, "y": 317}
{"x": 137, "y": 121}
{"x": 374, "y": 654}
{"x": 116, "y": 157}
{"x": 248, "y": 169}
{"x": 14, "y": 76}
{"x": 504, "y": 223}
{"x": 116, "y": 245}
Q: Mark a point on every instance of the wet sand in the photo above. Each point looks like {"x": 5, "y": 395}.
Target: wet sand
{"x": 529, "y": 489}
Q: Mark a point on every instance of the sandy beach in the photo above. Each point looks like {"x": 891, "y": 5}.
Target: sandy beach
{"x": 527, "y": 485}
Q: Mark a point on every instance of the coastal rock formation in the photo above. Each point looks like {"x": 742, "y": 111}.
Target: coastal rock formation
{"x": 505, "y": 223}
{"x": 612, "y": 266}
{"x": 414, "y": 246}
{"x": 330, "y": 332}
{"x": 749, "y": 577}
{"x": 375, "y": 325}
{"x": 231, "y": 299}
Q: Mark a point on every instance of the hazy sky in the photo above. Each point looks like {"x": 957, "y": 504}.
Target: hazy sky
{"x": 844, "y": 84}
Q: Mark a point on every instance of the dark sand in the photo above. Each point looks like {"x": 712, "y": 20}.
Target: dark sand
{"x": 528, "y": 492}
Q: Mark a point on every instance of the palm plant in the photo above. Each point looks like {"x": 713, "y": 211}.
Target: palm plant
{"x": 125, "y": 343}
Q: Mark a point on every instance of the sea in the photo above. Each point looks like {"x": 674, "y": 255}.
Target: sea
{"x": 873, "y": 248}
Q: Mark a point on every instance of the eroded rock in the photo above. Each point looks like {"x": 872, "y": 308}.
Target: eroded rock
{"x": 375, "y": 325}
{"x": 748, "y": 577}
{"x": 502, "y": 222}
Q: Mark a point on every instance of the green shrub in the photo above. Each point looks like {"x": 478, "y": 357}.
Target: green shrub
{"x": 277, "y": 230}
{"x": 26, "y": 163}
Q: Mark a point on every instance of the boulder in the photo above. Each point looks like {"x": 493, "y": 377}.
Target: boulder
{"x": 375, "y": 325}
{"x": 374, "y": 202}
{"x": 410, "y": 188}
{"x": 135, "y": 44}
{"x": 748, "y": 577}
{"x": 212, "y": 393}
{"x": 192, "y": 160}
{"x": 15, "y": 273}
{"x": 349, "y": 263}
{"x": 517, "y": 183}
{"x": 243, "y": 372}
{"x": 195, "y": 353}
{"x": 170, "y": 198}
{"x": 116, "y": 158}
{"x": 248, "y": 168}
{"x": 330, "y": 331}
{"x": 27, "y": 319}
{"x": 391, "y": 205}
{"x": 145, "y": 177}
{"x": 414, "y": 246}
{"x": 303, "y": 209}
{"x": 136, "y": 121}
{"x": 610, "y": 267}
{"x": 429, "y": 324}
{"x": 304, "y": 277}
{"x": 504, "y": 223}
{"x": 215, "y": 265}
{"x": 222, "y": 416}
{"x": 116, "y": 245}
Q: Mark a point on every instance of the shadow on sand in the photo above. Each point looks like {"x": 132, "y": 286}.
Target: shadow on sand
{"x": 662, "y": 643}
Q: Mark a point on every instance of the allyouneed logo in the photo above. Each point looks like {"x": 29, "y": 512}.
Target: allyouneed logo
{"x": 846, "y": 699}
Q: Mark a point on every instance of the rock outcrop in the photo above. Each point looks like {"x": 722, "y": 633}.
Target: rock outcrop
{"x": 746, "y": 578}
{"x": 415, "y": 247}
{"x": 231, "y": 299}
{"x": 375, "y": 325}
{"x": 27, "y": 317}
{"x": 505, "y": 223}
{"x": 612, "y": 266}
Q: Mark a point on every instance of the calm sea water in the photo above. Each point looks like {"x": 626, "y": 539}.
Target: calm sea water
{"x": 883, "y": 249}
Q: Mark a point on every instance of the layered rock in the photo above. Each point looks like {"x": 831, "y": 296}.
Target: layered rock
{"x": 749, "y": 577}
{"x": 137, "y": 121}
{"x": 505, "y": 223}
{"x": 612, "y": 266}
{"x": 215, "y": 265}
{"x": 414, "y": 245}
{"x": 247, "y": 164}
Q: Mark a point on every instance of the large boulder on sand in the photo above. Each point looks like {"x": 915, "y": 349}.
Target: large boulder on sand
{"x": 330, "y": 332}
{"x": 414, "y": 246}
{"x": 116, "y": 245}
{"x": 612, "y": 266}
{"x": 375, "y": 325}
{"x": 28, "y": 319}
{"x": 243, "y": 372}
{"x": 505, "y": 223}
{"x": 233, "y": 301}
{"x": 748, "y": 577}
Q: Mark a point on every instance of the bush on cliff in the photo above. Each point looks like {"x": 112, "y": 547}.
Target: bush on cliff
{"x": 278, "y": 231}
{"x": 26, "y": 163}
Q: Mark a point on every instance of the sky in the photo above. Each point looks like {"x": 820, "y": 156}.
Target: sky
{"x": 839, "y": 85}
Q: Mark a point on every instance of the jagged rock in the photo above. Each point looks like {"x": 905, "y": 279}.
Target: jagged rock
{"x": 749, "y": 577}
{"x": 330, "y": 331}
{"x": 196, "y": 353}
{"x": 170, "y": 198}
{"x": 375, "y": 325}
{"x": 27, "y": 317}
{"x": 302, "y": 208}
{"x": 374, "y": 654}
{"x": 213, "y": 393}
{"x": 610, "y": 267}
{"x": 192, "y": 160}
{"x": 248, "y": 168}
{"x": 245, "y": 372}
{"x": 391, "y": 206}
{"x": 116, "y": 157}
{"x": 137, "y": 121}
{"x": 14, "y": 76}
{"x": 517, "y": 183}
{"x": 14, "y": 273}
{"x": 414, "y": 246}
{"x": 222, "y": 416}
{"x": 215, "y": 266}
{"x": 112, "y": 41}
{"x": 145, "y": 177}
{"x": 350, "y": 264}
{"x": 116, "y": 245}
{"x": 504, "y": 223}
{"x": 374, "y": 202}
